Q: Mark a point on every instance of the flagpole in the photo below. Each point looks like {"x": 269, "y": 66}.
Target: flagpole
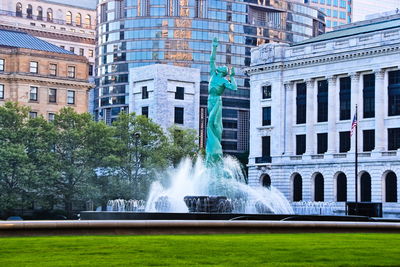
{"x": 356, "y": 163}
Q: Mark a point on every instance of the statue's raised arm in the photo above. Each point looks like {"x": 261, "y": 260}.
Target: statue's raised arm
{"x": 213, "y": 56}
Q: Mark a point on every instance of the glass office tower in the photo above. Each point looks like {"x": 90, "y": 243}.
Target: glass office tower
{"x": 133, "y": 33}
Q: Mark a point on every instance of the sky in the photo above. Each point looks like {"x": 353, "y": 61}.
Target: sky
{"x": 81, "y": 3}
{"x": 362, "y": 8}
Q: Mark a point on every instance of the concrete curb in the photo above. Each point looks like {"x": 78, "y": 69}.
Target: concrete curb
{"x": 144, "y": 227}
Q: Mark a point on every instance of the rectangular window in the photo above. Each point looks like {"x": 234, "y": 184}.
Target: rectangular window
{"x": 53, "y": 69}
{"x": 368, "y": 140}
{"x": 90, "y": 52}
{"x": 52, "y": 95}
{"x": 145, "y": 111}
{"x": 71, "y": 97}
{"x": 178, "y": 115}
{"x": 266, "y": 92}
{"x": 90, "y": 70}
{"x": 51, "y": 116}
{"x": 33, "y": 93}
{"x": 322, "y": 101}
{"x": 103, "y": 12}
{"x": 344, "y": 142}
{"x": 1, "y": 64}
{"x": 335, "y": 2}
{"x": 343, "y": 3}
{"x": 345, "y": 98}
{"x": 266, "y": 116}
{"x": 300, "y": 144}
{"x": 81, "y": 51}
{"x": 301, "y": 103}
{"x": 72, "y": 49}
{"x": 1, "y": 91}
{"x": 322, "y": 143}
{"x": 71, "y": 72}
{"x": 394, "y": 93}
{"x": 393, "y": 138}
{"x": 32, "y": 114}
{"x": 266, "y": 146}
{"x": 369, "y": 96}
{"x": 33, "y": 67}
{"x": 145, "y": 93}
{"x": 180, "y": 93}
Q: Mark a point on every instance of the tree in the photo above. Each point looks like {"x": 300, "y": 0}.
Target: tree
{"x": 181, "y": 143}
{"x": 80, "y": 147}
{"x": 140, "y": 149}
{"x": 16, "y": 168}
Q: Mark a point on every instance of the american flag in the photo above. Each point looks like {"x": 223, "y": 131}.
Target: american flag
{"x": 353, "y": 124}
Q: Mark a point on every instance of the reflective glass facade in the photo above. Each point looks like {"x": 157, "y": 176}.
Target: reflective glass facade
{"x": 134, "y": 33}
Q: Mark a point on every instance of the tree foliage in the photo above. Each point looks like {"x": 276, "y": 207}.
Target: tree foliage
{"x": 73, "y": 159}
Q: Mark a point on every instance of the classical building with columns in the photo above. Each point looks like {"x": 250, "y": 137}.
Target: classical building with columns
{"x": 303, "y": 99}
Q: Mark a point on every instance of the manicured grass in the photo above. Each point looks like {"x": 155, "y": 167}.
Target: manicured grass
{"x": 209, "y": 250}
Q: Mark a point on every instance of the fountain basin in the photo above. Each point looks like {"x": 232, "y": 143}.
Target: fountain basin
{"x": 200, "y": 216}
{"x": 210, "y": 204}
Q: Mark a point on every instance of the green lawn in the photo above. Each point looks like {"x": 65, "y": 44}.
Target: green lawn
{"x": 208, "y": 250}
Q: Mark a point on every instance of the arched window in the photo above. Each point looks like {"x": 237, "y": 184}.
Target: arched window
{"x": 29, "y": 12}
{"x": 88, "y": 21}
{"x": 68, "y": 18}
{"x": 78, "y": 19}
{"x": 319, "y": 187}
{"x": 266, "y": 181}
{"x": 391, "y": 187}
{"x": 50, "y": 15}
{"x": 341, "y": 187}
{"x": 39, "y": 13}
{"x": 297, "y": 188}
{"x": 18, "y": 10}
{"x": 365, "y": 188}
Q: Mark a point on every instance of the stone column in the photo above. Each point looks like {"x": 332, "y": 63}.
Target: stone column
{"x": 333, "y": 91}
{"x": 355, "y": 91}
{"x": 289, "y": 117}
{"x": 379, "y": 111}
{"x": 310, "y": 120}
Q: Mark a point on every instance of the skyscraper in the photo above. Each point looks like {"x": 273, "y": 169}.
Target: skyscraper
{"x": 338, "y": 12}
{"x": 135, "y": 33}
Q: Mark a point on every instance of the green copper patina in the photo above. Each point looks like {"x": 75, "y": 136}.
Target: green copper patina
{"x": 219, "y": 81}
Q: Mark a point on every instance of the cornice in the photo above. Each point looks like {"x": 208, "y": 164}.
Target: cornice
{"x": 14, "y": 77}
{"x": 43, "y": 54}
{"x": 323, "y": 59}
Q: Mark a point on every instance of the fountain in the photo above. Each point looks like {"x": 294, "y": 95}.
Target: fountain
{"x": 213, "y": 188}
{"x": 216, "y": 184}
{"x": 194, "y": 187}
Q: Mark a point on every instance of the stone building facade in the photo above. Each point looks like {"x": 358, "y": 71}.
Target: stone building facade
{"x": 69, "y": 26}
{"x": 303, "y": 98}
{"x": 167, "y": 94}
{"x": 43, "y": 77}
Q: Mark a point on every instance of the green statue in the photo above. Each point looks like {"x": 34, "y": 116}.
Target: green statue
{"x": 220, "y": 79}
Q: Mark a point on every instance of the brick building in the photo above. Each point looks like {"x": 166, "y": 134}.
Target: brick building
{"x": 40, "y": 75}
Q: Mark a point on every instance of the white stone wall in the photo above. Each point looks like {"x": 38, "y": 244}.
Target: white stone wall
{"x": 283, "y": 67}
{"x": 161, "y": 82}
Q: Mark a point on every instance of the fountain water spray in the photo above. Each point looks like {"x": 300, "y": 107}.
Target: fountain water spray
{"x": 196, "y": 179}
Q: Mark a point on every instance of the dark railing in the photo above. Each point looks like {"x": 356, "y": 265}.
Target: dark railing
{"x": 44, "y": 18}
{"x": 264, "y": 159}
